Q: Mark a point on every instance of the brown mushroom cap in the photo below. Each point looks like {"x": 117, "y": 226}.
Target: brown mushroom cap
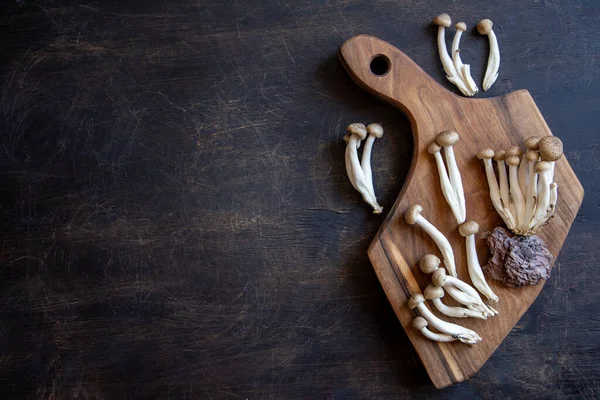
{"x": 513, "y": 160}
{"x": 375, "y": 130}
{"x": 485, "y": 154}
{"x": 500, "y": 155}
{"x": 513, "y": 151}
{"x": 484, "y": 26}
{"x": 439, "y": 277}
{"x": 429, "y": 263}
{"x": 433, "y": 148}
{"x": 551, "y": 148}
{"x": 415, "y": 300}
{"x": 346, "y": 138}
{"x": 468, "y": 228}
{"x": 420, "y": 323}
{"x": 541, "y": 167}
{"x": 433, "y": 292}
{"x": 532, "y": 142}
{"x": 461, "y": 26}
{"x": 412, "y": 213}
{"x": 357, "y": 129}
{"x": 443, "y": 20}
{"x": 447, "y": 138}
{"x": 532, "y": 155}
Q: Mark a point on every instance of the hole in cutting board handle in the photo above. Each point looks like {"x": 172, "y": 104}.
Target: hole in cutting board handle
{"x": 380, "y": 65}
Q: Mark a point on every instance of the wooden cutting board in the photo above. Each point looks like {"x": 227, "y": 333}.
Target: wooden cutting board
{"x": 498, "y": 122}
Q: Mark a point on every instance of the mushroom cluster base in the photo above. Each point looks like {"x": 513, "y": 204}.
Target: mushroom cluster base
{"x": 517, "y": 260}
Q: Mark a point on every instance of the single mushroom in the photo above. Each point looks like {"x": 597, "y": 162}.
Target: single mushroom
{"x": 464, "y": 70}
{"x": 551, "y": 149}
{"x": 429, "y": 264}
{"x": 375, "y": 132}
{"x": 486, "y": 156}
{"x": 531, "y": 143}
{"x": 443, "y": 21}
{"x": 468, "y": 231}
{"x": 484, "y": 27}
{"x": 355, "y": 172}
{"x": 515, "y": 189}
{"x": 461, "y": 333}
{"x": 447, "y": 189}
{"x": 420, "y": 324}
{"x": 447, "y": 139}
{"x": 413, "y": 216}
{"x": 461, "y": 292}
{"x": 435, "y": 294}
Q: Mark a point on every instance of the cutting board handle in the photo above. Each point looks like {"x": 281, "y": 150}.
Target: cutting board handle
{"x": 388, "y": 73}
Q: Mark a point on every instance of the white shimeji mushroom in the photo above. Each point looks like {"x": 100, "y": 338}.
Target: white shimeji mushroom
{"x": 531, "y": 143}
{"x": 468, "y": 231}
{"x": 542, "y": 168}
{"x": 420, "y": 324}
{"x": 430, "y": 263}
{"x": 463, "y": 334}
{"x": 413, "y": 216}
{"x": 551, "y": 208}
{"x": 486, "y": 156}
{"x": 443, "y": 21}
{"x": 447, "y": 139}
{"x": 464, "y": 70}
{"x": 484, "y": 27}
{"x": 531, "y": 194}
{"x": 354, "y": 170}
{"x": 375, "y": 132}
{"x": 447, "y": 189}
{"x": 461, "y": 292}
{"x": 435, "y": 294}
{"x": 499, "y": 157}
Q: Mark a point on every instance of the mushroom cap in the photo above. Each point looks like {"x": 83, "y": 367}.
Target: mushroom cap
{"x": 415, "y": 300}
{"x": 433, "y": 292}
{"x": 420, "y": 323}
{"x": 541, "y": 167}
{"x": 484, "y": 26}
{"x": 532, "y": 155}
{"x": 468, "y": 228}
{"x": 346, "y": 138}
{"x": 500, "y": 155}
{"x": 439, "y": 277}
{"x": 433, "y": 148}
{"x": 358, "y": 129}
{"x": 375, "y": 130}
{"x": 412, "y": 213}
{"x": 513, "y": 151}
{"x": 442, "y": 20}
{"x": 513, "y": 160}
{"x": 532, "y": 142}
{"x": 461, "y": 26}
{"x": 447, "y": 138}
{"x": 485, "y": 154}
{"x": 429, "y": 264}
{"x": 551, "y": 148}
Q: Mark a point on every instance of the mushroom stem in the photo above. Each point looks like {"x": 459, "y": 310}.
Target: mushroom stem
{"x": 515, "y": 189}
{"x": 461, "y": 333}
{"x": 464, "y": 70}
{"x": 486, "y": 156}
{"x": 375, "y": 132}
{"x": 468, "y": 231}
{"x": 543, "y": 200}
{"x": 420, "y": 324}
{"x": 447, "y": 139}
{"x": 491, "y": 73}
{"x": 470, "y": 302}
{"x": 440, "y": 278}
{"x": 551, "y": 208}
{"x": 447, "y": 189}
{"x": 531, "y": 194}
{"x": 443, "y": 21}
{"x": 435, "y": 294}
{"x": 413, "y": 216}
{"x": 504, "y": 190}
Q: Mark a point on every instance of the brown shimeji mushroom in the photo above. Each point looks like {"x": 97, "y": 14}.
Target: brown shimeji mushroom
{"x": 420, "y": 324}
{"x": 468, "y": 231}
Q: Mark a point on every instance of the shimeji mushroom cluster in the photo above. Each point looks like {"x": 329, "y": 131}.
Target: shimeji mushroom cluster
{"x": 525, "y": 196}
{"x": 462, "y": 292}
{"x": 458, "y": 73}
{"x": 359, "y": 172}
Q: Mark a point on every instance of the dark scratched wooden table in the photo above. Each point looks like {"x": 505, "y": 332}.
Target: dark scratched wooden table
{"x": 176, "y": 219}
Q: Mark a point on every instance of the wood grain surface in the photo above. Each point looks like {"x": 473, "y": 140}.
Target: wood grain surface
{"x": 176, "y": 218}
{"x": 499, "y": 123}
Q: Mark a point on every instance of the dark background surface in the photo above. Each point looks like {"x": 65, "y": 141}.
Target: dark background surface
{"x": 177, "y": 222}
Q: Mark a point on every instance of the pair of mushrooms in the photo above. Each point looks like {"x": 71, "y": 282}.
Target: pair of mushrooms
{"x": 458, "y": 73}
{"x": 359, "y": 172}
{"x": 526, "y": 196}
